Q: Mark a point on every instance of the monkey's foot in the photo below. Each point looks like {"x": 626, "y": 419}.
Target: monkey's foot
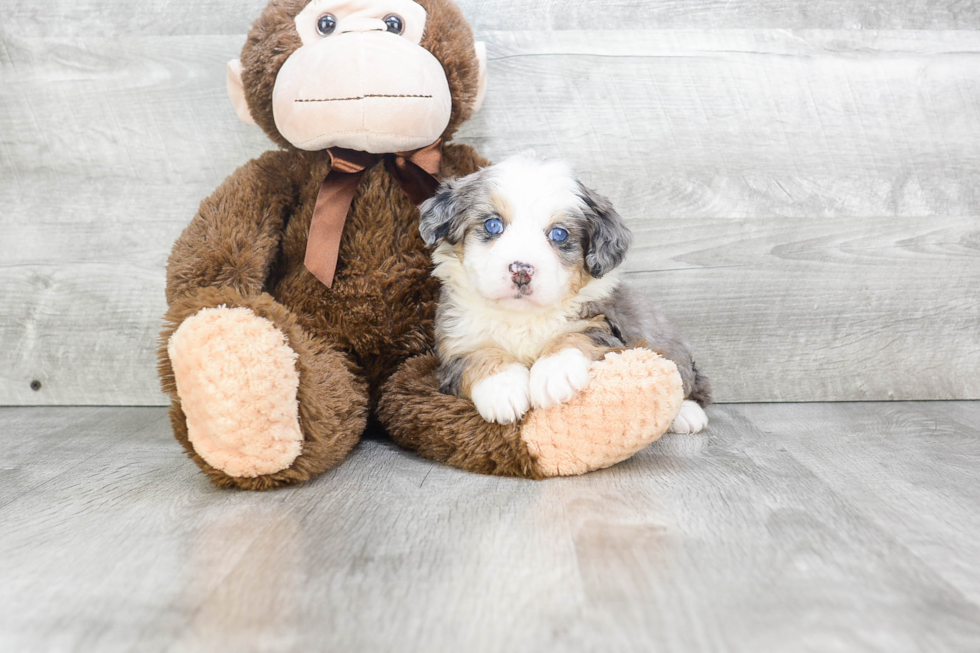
{"x": 237, "y": 382}
{"x": 631, "y": 400}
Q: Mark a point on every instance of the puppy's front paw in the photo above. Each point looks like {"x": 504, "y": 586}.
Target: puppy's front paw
{"x": 556, "y": 379}
{"x": 503, "y": 397}
{"x": 691, "y": 419}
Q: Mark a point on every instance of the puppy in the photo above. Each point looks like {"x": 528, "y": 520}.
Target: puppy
{"x": 531, "y": 293}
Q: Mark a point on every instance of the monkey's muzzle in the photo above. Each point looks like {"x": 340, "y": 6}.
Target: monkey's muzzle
{"x": 369, "y": 91}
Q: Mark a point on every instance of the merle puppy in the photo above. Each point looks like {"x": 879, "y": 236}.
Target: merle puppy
{"x": 529, "y": 263}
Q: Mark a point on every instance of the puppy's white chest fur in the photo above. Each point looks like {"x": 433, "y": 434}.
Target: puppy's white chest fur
{"x": 523, "y": 336}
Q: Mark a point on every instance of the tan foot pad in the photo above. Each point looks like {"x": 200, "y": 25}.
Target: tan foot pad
{"x": 237, "y": 382}
{"x": 632, "y": 398}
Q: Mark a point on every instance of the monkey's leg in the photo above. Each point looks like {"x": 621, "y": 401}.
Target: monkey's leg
{"x": 632, "y": 398}
{"x": 256, "y": 401}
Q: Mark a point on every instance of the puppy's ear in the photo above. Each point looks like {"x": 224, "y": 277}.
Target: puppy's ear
{"x": 608, "y": 236}
{"x": 439, "y": 215}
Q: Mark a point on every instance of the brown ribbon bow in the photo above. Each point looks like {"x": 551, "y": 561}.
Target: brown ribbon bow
{"x": 415, "y": 172}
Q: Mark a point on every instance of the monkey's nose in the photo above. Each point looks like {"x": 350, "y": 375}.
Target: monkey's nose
{"x": 521, "y": 272}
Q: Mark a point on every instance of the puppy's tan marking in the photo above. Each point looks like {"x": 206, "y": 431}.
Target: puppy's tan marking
{"x": 578, "y": 279}
{"x": 459, "y": 248}
{"x": 482, "y": 364}
{"x": 500, "y": 204}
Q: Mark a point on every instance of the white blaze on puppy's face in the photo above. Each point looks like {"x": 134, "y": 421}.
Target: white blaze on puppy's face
{"x": 521, "y": 267}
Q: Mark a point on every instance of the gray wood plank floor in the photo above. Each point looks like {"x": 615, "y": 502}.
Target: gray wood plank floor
{"x": 806, "y": 527}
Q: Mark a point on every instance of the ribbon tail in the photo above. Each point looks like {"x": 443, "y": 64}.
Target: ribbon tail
{"x": 327, "y": 227}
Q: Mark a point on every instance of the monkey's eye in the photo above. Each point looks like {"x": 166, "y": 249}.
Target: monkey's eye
{"x": 326, "y": 24}
{"x": 558, "y": 235}
{"x": 395, "y": 23}
{"x": 494, "y": 226}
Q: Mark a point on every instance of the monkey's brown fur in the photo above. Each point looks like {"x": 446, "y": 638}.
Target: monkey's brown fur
{"x": 354, "y": 341}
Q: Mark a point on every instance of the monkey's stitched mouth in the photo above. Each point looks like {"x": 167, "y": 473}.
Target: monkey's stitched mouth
{"x": 363, "y": 97}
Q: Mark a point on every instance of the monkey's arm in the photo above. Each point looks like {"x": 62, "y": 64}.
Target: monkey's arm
{"x": 234, "y": 238}
{"x": 632, "y": 399}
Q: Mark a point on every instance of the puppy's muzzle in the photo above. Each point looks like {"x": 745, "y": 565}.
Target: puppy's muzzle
{"x": 521, "y": 273}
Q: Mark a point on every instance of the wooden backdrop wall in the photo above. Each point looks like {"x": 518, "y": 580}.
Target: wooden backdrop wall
{"x": 802, "y": 177}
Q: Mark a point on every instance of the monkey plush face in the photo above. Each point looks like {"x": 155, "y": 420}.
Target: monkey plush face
{"x": 371, "y": 75}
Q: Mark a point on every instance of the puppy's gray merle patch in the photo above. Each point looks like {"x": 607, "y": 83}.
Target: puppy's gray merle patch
{"x": 608, "y": 236}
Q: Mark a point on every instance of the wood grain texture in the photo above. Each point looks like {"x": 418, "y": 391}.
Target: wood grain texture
{"x": 890, "y": 460}
{"x": 805, "y": 201}
{"x": 783, "y": 528}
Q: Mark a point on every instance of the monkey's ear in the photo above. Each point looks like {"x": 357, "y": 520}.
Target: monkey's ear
{"x": 236, "y": 91}
{"x": 481, "y": 56}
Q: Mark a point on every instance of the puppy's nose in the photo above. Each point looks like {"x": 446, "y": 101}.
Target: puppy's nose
{"x": 522, "y": 273}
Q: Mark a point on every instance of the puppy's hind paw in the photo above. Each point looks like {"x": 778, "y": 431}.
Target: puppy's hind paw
{"x": 691, "y": 419}
{"x": 503, "y": 397}
{"x": 557, "y": 379}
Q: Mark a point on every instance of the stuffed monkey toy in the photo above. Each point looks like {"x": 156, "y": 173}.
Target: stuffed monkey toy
{"x": 300, "y": 297}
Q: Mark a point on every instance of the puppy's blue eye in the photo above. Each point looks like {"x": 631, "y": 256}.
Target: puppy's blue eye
{"x": 494, "y": 226}
{"x": 558, "y": 235}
